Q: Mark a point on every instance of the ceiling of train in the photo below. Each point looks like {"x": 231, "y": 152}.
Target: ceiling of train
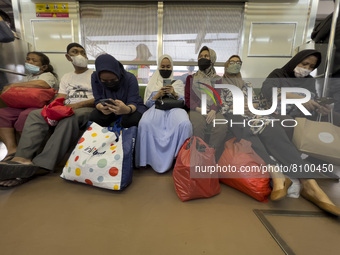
{"x": 6, "y": 5}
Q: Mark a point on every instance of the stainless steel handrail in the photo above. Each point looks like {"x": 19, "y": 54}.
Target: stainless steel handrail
{"x": 330, "y": 48}
{"x": 11, "y": 72}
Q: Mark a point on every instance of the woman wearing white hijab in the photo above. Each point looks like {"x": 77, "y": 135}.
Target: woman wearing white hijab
{"x": 161, "y": 133}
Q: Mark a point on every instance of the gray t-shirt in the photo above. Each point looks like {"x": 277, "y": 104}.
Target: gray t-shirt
{"x": 77, "y": 87}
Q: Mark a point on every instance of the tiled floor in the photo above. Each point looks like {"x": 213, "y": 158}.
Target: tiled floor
{"x": 51, "y": 216}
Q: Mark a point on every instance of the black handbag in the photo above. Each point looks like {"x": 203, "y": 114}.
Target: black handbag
{"x": 168, "y": 102}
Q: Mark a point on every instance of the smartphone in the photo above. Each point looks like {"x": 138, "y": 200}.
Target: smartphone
{"x": 324, "y": 101}
{"x": 106, "y": 101}
{"x": 166, "y": 82}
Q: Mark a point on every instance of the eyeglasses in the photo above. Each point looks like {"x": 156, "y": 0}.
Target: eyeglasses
{"x": 235, "y": 62}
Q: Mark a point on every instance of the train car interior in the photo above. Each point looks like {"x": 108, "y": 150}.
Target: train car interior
{"x": 50, "y": 216}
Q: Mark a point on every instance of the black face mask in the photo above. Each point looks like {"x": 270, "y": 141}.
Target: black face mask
{"x": 112, "y": 85}
{"x": 165, "y": 73}
{"x": 203, "y": 63}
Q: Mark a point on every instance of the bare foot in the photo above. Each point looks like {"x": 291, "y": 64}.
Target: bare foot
{"x": 8, "y": 183}
{"x": 22, "y": 160}
{"x": 13, "y": 182}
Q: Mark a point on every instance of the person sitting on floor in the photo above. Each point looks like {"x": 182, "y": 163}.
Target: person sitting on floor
{"x": 119, "y": 89}
{"x": 161, "y": 133}
{"x": 262, "y": 137}
{"x": 26, "y": 163}
{"x": 296, "y": 73}
{"x": 204, "y": 80}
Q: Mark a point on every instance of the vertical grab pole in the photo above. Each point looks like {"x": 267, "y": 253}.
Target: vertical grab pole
{"x": 330, "y": 48}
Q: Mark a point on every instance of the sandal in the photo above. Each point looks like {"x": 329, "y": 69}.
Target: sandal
{"x": 11, "y": 170}
{"x": 8, "y": 157}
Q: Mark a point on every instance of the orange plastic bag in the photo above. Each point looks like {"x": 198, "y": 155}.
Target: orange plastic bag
{"x": 237, "y": 155}
{"x": 195, "y": 152}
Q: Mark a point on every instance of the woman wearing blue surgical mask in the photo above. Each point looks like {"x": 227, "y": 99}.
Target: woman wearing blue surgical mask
{"x": 40, "y": 75}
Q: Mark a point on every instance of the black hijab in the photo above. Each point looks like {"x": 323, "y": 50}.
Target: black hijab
{"x": 285, "y": 77}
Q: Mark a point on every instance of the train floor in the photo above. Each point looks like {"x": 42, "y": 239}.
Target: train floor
{"x": 49, "y": 215}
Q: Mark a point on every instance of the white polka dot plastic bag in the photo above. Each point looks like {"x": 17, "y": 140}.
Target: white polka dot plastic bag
{"x": 102, "y": 158}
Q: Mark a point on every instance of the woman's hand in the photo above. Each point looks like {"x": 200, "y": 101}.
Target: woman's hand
{"x": 103, "y": 108}
{"x": 314, "y": 106}
{"x": 118, "y": 108}
{"x": 169, "y": 89}
{"x": 211, "y": 116}
{"x": 324, "y": 110}
{"x": 160, "y": 93}
{"x": 311, "y": 105}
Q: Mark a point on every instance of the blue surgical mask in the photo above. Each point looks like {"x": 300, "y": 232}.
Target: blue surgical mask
{"x": 32, "y": 68}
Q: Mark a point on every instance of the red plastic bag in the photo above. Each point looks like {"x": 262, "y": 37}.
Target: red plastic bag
{"x": 237, "y": 155}
{"x": 195, "y": 152}
{"x": 26, "y": 97}
{"x": 56, "y": 111}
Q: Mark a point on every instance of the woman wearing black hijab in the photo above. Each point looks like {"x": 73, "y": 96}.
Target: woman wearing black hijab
{"x": 296, "y": 73}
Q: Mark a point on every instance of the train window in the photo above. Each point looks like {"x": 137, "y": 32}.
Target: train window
{"x": 189, "y": 26}
{"x": 133, "y": 34}
{"x": 126, "y": 31}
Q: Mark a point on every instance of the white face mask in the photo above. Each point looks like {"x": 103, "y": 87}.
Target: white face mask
{"x": 301, "y": 72}
{"x": 79, "y": 61}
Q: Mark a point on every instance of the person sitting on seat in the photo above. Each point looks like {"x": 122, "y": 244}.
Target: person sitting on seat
{"x": 12, "y": 119}
{"x": 26, "y": 162}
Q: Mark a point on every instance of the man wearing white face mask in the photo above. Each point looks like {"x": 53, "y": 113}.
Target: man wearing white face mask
{"x": 76, "y": 88}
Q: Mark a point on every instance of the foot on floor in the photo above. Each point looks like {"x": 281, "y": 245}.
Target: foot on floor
{"x": 12, "y": 183}
{"x": 11, "y": 170}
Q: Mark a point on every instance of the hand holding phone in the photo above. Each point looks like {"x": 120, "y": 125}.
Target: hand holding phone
{"x": 324, "y": 101}
{"x": 106, "y": 101}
